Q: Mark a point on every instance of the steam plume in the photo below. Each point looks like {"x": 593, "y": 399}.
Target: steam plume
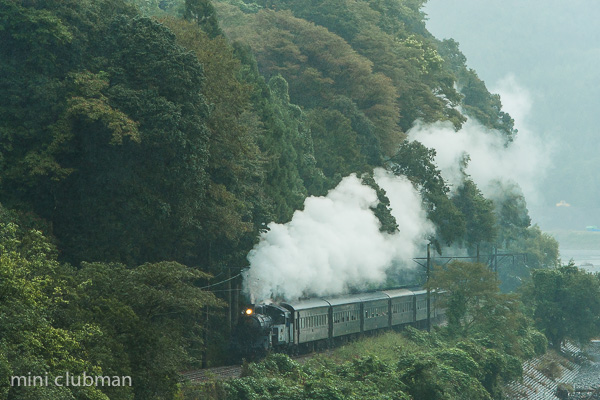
{"x": 523, "y": 161}
{"x": 335, "y": 242}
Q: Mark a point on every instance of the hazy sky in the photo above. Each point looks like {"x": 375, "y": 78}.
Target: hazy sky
{"x": 551, "y": 50}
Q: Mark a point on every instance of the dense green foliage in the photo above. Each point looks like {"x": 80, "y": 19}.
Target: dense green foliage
{"x": 135, "y": 150}
{"x": 486, "y": 339}
{"x": 32, "y": 289}
{"x": 531, "y": 249}
{"x": 103, "y": 319}
{"x": 565, "y": 303}
{"x": 416, "y": 162}
{"x": 476, "y": 309}
{"x": 144, "y": 145}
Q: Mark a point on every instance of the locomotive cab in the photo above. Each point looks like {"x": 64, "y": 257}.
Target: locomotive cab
{"x": 262, "y": 327}
{"x": 281, "y": 323}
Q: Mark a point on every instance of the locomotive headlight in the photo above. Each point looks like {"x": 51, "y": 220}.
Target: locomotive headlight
{"x": 249, "y": 311}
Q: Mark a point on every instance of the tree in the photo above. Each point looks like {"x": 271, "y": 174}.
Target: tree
{"x": 393, "y": 37}
{"x": 416, "y": 162}
{"x": 150, "y": 317}
{"x": 32, "y": 343}
{"x": 204, "y": 15}
{"x": 113, "y": 145}
{"x": 565, "y": 303}
{"x": 479, "y": 214}
{"x": 476, "y": 309}
{"x": 515, "y": 235}
{"x": 285, "y": 139}
{"x": 470, "y": 286}
{"x": 319, "y": 67}
{"x": 478, "y": 103}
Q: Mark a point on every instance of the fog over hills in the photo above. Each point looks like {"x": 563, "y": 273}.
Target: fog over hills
{"x": 549, "y": 51}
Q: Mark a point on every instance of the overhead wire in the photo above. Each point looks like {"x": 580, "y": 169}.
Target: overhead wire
{"x": 218, "y": 283}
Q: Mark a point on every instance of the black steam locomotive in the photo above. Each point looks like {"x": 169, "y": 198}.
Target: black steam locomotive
{"x": 306, "y": 325}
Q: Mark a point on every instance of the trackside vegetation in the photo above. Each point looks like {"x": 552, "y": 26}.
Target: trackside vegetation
{"x": 146, "y": 144}
{"x": 487, "y": 337}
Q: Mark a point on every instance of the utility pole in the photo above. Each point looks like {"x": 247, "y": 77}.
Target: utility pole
{"x": 428, "y": 290}
{"x": 236, "y": 301}
{"x": 229, "y": 298}
{"x": 496, "y": 259}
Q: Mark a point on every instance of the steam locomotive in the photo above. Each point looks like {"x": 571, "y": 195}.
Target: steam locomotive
{"x": 306, "y": 325}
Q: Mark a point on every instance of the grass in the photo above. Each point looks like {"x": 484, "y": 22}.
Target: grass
{"x": 387, "y": 347}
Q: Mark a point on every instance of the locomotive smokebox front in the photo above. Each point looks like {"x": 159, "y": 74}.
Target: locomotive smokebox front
{"x": 254, "y": 325}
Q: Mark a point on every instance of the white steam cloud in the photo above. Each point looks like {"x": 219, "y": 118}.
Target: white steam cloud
{"x": 516, "y": 100}
{"x": 524, "y": 161}
{"x": 335, "y": 242}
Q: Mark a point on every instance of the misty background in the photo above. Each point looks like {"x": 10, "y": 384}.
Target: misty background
{"x": 542, "y": 57}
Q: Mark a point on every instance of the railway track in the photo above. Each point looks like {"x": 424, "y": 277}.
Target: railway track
{"x": 233, "y": 371}
{"x": 217, "y": 373}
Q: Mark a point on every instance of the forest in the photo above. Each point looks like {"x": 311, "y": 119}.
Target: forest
{"x": 146, "y": 145}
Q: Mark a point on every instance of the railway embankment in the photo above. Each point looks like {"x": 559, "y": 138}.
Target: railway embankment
{"x": 572, "y": 374}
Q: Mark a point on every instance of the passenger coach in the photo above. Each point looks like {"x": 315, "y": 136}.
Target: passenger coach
{"x": 320, "y": 322}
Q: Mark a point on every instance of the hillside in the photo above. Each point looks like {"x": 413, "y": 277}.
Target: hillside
{"x": 147, "y": 147}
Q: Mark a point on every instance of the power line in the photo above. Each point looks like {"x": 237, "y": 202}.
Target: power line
{"x": 218, "y": 283}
